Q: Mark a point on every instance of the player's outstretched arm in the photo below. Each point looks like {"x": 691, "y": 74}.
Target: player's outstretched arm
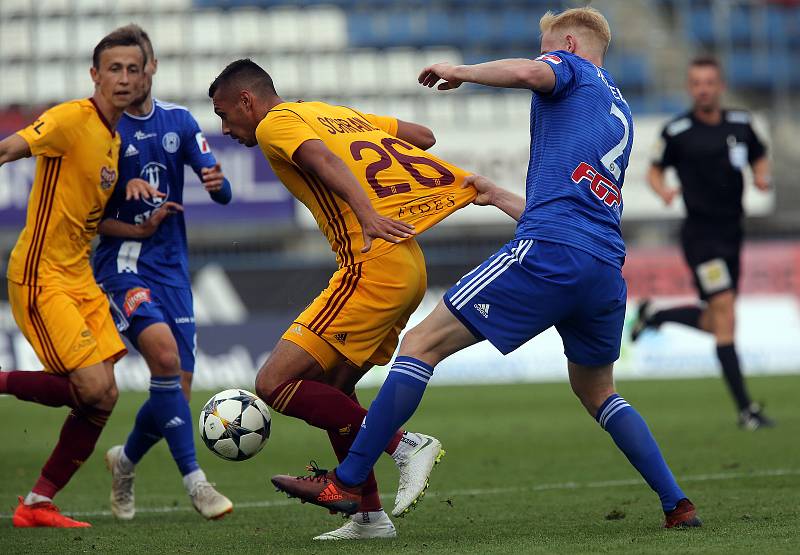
{"x": 490, "y": 194}
{"x": 517, "y": 73}
{"x": 314, "y": 157}
{"x": 112, "y": 227}
{"x": 13, "y": 148}
{"x": 416, "y": 134}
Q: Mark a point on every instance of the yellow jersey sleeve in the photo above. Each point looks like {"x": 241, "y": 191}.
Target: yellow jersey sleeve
{"x": 53, "y": 132}
{"x": 387, "y": 124}
{"x": 282, "y": 132}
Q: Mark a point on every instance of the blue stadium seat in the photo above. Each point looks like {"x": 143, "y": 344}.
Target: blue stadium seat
{"x": 761, "y": 70}
{"x": 783, "y": 25}
{"x": 699, "y": 24}
{"x": 630, "y": 71}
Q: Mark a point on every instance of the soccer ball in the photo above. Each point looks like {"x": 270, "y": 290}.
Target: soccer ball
{"x": 235, "y": 424}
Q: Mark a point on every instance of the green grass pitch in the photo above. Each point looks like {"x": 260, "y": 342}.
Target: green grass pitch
{"x": 526, "y": 471}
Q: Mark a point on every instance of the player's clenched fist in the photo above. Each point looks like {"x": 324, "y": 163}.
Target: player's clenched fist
{"x": 483, "y": 186}
{"x": 444, "y": 71}
{"x": 213, "y": 178}
{"x": 137, "y": 189}
{"x": 381, "y": 227}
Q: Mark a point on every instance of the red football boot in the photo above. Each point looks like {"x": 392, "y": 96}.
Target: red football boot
{"x": 683, "y": 515}
{"x": 43, "y": 514}
{"x": 322, "y": 488}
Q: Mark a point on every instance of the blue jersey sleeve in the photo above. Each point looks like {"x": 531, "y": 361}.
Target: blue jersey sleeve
{"x": 198, "y": 155}
{"x": 568, "y": 74}
{"x": 196, "y": 150}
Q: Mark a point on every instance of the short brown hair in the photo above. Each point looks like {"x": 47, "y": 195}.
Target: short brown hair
{"x": 588, "y": 18}
{"x": 706, "y": 60}
{"x": 144, "y": 38}
{"x": 124, "y": 36}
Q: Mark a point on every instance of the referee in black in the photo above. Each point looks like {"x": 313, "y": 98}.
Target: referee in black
{"x": 709, "y": 147}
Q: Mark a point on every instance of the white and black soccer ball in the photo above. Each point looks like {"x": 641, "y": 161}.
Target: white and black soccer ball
{"x": 235, "y": 424}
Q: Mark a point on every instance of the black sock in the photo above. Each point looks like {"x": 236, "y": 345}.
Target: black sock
{"x": 733, "y": 374}
{"x": 686, "y": 315}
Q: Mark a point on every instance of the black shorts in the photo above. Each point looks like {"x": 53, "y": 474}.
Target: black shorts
{"x": 713, "y": 254}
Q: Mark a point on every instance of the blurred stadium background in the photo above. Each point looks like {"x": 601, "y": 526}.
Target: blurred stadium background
{"x": 258, "y": 261}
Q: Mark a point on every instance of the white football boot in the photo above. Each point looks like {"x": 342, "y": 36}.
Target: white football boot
{"x": 122, "y": 501}
{"x": 208, "y": 501}
{"x": 363, "y": 526}
{"x": 415, "y": 457}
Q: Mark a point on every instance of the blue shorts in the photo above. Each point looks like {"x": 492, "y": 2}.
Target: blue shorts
{"x": 529, "y": 285}
{"x": 137, "y": 304}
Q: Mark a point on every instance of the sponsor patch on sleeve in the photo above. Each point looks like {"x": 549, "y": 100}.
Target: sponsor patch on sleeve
{"x": 552, "y": 58}
{"x": 202, "y": 143}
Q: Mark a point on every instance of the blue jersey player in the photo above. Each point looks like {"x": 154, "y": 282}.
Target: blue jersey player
{"x": 141, "y": 263}
{"x": 563, "y": 268}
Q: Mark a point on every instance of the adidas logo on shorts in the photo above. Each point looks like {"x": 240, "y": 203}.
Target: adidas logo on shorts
{"x": 340, "y": 337}
{"x": 483, "y": 309}
{"x": 175, "y": 422}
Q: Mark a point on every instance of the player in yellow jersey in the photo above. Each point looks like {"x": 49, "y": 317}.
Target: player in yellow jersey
{"x": 55, "y": 300}
{"x": 371, "y": 186}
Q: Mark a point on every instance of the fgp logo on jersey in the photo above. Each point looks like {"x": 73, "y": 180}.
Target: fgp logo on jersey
{"x": 134, "y": 297}
{"x": 108, "y": 176}
{"x": 552, "y": 58}
{"x": 602, "y": 187}
{"x": 171, "y": 142}
{"x": 152, "y": 173}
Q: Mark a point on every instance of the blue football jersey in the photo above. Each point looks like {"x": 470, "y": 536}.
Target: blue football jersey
{"x": 155, "y": 148}
{"x": 581, "y": 137}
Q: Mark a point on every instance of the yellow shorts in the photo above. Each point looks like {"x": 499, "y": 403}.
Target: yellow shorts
{"x": 68, "y": 329}
{"x": 361, "y": 313}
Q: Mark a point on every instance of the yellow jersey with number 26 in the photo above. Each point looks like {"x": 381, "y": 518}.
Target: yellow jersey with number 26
{"x": 402, "y": 181}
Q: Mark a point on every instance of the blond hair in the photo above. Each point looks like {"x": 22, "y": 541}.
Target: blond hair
{"x": 579, "y": 18}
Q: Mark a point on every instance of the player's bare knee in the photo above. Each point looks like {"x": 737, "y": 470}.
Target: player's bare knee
{"x": 265, "y": 383}
{"x": 165, "y": 363}
{"x": 97, "y": 392}
{"x": 417, "y": 343}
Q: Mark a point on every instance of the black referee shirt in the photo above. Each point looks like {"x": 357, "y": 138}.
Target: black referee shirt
{"x": 709, "y": 160}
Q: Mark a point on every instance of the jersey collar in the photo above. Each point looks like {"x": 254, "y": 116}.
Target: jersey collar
{"x": 101, "y": 116}
{"x": 146, "y": 116}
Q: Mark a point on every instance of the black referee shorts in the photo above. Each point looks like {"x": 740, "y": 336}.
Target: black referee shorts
{"x": 713, "y": 254}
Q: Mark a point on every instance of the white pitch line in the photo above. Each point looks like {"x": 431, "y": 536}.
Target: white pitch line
{"x": 772, "y": 473}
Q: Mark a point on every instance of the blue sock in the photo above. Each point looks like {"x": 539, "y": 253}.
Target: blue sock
{"x": 172, "y": 415}
{"x": 144, "y": 435}
{"x": 397, "y": 400}
{"x": 631, "y": 434}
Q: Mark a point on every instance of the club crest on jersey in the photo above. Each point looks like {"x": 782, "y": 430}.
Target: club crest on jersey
{"x": 602, "y": 187}
{"x": 152, "y": 173}
{"x": 552, "y": 58}
{"x": 108, "y": 176}
{"x": 135, "y": 297}
{"x": 171, "y": 142}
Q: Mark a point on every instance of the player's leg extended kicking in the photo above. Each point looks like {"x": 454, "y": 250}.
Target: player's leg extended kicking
{"x": 73, "y": 334}
{"x": 168, "y": 351}
{"x": 306, "y": 377}
{"x": 562, "y": 298}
